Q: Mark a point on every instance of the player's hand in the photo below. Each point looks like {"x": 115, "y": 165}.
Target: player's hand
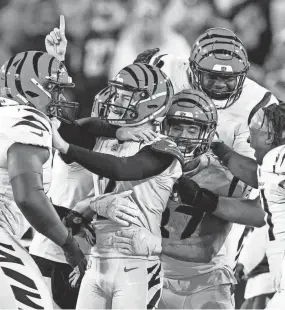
{"x": 116, "y": 207}
{"x": 74, "y": 256}
{"x": 146, "y": 56}
{"x": 133, "y": 134}
{"x": 239, "y": 273}
{"x": 78, "y": 225}
{"x": 57, "y": 141}
{"x": 221, "y": 150}
{"x": 139, "y": 242}
{"x": 56, "y": 42}
{"x": 192, "y": 194}
{"x": 83, "y": 207}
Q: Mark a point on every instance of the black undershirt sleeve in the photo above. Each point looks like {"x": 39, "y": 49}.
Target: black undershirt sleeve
{"x": 85, "y": 132}
{"x": 146, "y": 163}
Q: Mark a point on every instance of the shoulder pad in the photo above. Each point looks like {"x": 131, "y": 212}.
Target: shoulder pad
{"x": 168, "y": 146}
{"x": 25, "y": 125}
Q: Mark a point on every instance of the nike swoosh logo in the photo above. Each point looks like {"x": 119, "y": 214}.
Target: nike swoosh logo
{"x": 129, "y": 269}
{"x": 38, "y": 134}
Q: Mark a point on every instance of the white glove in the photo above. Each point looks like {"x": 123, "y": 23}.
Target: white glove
{"x": 138, "y": 242}
{"x": 116, "y": 207}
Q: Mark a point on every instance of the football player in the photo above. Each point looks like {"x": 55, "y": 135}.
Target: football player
{"x": 70, "y": 184}
{"x": 267, "y": 133}
{"x": 31, "y": 87}
{"x": 139, "y": 96}
{"x": 196, "y": 222}
{"x": 218, "y": 65}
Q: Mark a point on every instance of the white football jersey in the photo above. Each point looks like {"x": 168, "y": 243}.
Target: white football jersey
{"x": 150, "y": 195}
{"x": 20, "y": 124}
{"x": 214, "y": 177}
{"x": 232, "y": 122}
{"x": 70, "y": 184}
{"x": 271, "y": 183}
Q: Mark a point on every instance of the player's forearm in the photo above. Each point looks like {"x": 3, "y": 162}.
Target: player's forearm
{"x": 98, "y": 127}
{"x": 194, "y": 250}
{"x": 241, "y": 211}
{"x": 244, "y": 168}
{"x": 140, "y": 166}
{"x": 38, "y": 209}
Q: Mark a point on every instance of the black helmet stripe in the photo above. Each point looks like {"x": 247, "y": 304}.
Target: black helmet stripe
{"x": 224, "y": 42}
{"x": 223, "y": 52}
{"x": 155, "y": 77}
{"x": 211, "y": 36}
{"x": 18, "y": 83}
{"x": 133, "y": 75}
{"x": 144, "y": 73}
{"x": 35, "y": 62}
{"x": 50, "y": 65}
{"x": 168, "y": 84}
{"x": 6, "y": 72}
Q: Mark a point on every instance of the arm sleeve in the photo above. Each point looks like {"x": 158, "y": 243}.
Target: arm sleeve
{"x": 146, "y": 163}
{"x": 85, "y": 132}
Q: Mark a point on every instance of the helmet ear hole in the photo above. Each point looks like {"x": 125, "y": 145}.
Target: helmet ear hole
{"x": 144, "y": 94}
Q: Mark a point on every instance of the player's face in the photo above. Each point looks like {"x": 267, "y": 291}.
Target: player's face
{"x": 259, "y": 140}
{"x": 122, "y": 100}
{"x": 185, "y": 131}
{"x": 218, "y": 84}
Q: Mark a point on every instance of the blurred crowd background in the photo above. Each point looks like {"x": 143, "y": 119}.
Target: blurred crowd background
{"x": 105, "y": 35}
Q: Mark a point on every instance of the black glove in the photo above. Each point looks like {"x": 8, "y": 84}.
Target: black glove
{"x": 192, "y": 194}
{"x": 222, "y": 151}
{"x": 74, "y": 255}
{"x": 76, "y": 222}
{"x": 146, "y": 56}
{"x": 239, "y": 273}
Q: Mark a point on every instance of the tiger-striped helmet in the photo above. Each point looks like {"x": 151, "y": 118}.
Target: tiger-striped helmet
{"x": 139, "y": 93}
{"x": 191, "y": 107}
{"x": 38, "y": 79}
{"x": 220, "y": 52}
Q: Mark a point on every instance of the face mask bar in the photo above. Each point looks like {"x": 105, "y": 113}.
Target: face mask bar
{"x": 230, "y": 96}
{"x": 115, "y": 113}
{"x": 65, "y": 111}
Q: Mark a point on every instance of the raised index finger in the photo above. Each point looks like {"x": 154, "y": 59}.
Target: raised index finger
{"x": 62, "y": 24}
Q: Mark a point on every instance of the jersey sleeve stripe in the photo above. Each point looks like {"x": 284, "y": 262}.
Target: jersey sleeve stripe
{"x": 6, "y": 72}
{"x": 38, "y": 113}
{"x": 233, "y": 186}
{"x": 31, "y": 118}
{"x": 269, "y": 216}
{"x": 30, "y": 124}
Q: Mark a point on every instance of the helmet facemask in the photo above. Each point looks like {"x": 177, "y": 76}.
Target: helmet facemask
{"x": 230, "y": 96}
{"x": 139, "y": 94}
{"x": 123, "y": 103}
{"x": 58, "y": 106}
{"x": 197, "y": 143}
{"x": 38, "y": 79}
